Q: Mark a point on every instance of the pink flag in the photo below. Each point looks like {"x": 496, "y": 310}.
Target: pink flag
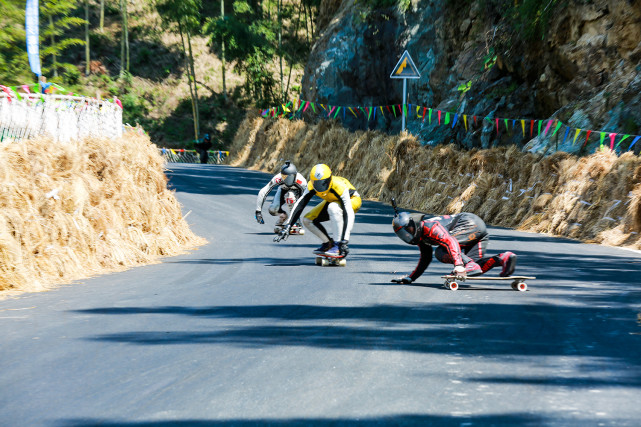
{"x": 26, "y": 88}
{"x": 547, "y": 128}
{"x": 612, "y": 136}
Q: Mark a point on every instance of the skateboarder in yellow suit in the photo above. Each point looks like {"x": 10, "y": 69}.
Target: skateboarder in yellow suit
{"x": 461, "y": 240}
{"x": 340, "y": 203}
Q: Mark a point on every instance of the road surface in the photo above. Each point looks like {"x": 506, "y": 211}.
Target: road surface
{"x": 245, "y": 331}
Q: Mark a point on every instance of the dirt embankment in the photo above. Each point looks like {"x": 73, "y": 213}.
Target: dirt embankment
{"x": 595, "y": 199}
{"x": 72, "y": 210}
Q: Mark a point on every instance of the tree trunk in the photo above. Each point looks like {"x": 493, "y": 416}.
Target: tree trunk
{"x": 222, "y": 57}
{"x": 291, "y": 66}
{"x": 191, "y": 91}
{"x": 126, "y": 16}
{"x": 54, "y": 62}
{"x": 193, "y": 74}
{"x": 306, "y": 24}
{"x": 87, "y": 48}
{"x": 311, "y": 20}
{"x": 122, "y": 41}
{"x": 280, "y": 50}
{"x": 102, "y": 16}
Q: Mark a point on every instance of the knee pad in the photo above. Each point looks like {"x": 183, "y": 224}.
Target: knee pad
{"x": 442, "y": 255}
{"x": 273, "y": 210}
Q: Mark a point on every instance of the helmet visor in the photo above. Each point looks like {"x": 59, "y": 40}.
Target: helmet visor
{"x": 288, "y": 180}
{"x": 405, "y": 228}
{"x": 322, "y": 185}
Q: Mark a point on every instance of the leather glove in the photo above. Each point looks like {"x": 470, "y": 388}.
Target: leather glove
{"x": 343, "y": 249}
{"x": 405, "y": 280}
{"x": 259, "y": 217}
{"x": 459, "y": 271}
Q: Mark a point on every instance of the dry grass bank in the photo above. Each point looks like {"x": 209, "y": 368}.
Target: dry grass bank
{"x": 595, "y": 199}
{"x": 69, "y": 211}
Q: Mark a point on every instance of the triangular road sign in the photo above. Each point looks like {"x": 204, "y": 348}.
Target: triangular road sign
{"x": 405, "y": 69}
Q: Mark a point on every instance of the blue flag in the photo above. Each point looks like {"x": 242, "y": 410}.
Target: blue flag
{"x": 32, "y": 27}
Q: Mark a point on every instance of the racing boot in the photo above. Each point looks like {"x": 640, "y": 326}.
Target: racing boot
{"x": 324, "y": 247}
{"x": 473, "y": 269}
{"x": 508, "y": 261}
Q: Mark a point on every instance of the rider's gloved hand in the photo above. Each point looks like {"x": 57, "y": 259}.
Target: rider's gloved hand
{"x": 283, "y": 234}
{"x": 343, "y": 249}
{"x": 259, "y": 217}
{"x": 459, "y": 271}
{"x": 405, "y": 280}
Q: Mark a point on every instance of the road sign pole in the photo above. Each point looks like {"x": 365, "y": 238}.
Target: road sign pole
{"x": 405, "y": 69}
{"x": 404, "y": 101}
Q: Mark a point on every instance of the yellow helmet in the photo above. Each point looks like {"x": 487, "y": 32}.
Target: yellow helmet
{"x": 320, "y": 177}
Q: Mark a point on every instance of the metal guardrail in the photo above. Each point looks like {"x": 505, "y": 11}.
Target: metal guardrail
{"x": 181, "y": 155}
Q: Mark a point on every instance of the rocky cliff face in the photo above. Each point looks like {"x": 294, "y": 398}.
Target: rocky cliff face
{"x": 582, "y": 69}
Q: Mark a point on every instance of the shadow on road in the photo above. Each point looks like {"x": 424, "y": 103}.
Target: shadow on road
{"x": 521, "y": 420}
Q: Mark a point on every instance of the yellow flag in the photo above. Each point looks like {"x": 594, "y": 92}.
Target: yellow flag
{"x": 523, "y": 126}
{"x": 576, "y": 135}
{"x": 465, "y": 121}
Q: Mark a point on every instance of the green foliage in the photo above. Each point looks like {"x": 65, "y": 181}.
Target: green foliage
{"x": 55, "y": 23}
{"x": 531, "y": 18}
{"x": 402, "y": 5}
{"x": 183, "y": 15}
{"x": 133, "y": 108}
{"x": 250, "y": 43}
{"x": 14, "y": 66}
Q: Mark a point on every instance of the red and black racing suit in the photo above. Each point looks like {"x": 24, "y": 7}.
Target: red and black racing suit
{"x": 459, "y": 238}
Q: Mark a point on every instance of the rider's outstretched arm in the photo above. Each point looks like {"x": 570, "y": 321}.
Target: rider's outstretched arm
{"x": 424, "y": 262}
{"x": 262, "y": 194}
{"x": 298, "y": 207}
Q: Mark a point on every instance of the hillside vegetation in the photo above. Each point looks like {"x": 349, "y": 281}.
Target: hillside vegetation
{"x": 164, "y": 58}
{"x": 595, "y": 199}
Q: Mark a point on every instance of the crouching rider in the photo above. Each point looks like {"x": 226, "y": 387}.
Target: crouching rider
{"x": 291, "y": 186}
{"x": 460, "y": 239}
{"x": 340, "y": 203}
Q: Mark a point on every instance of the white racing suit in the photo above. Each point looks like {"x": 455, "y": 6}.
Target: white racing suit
{"x": 284, "y": 198}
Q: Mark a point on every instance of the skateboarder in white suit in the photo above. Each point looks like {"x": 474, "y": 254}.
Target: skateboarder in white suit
{"x": 291, "y": 186}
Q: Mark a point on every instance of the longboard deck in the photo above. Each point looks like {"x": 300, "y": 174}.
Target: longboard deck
{"x": 489, "y": 278}
{"x": 518, "y": 282}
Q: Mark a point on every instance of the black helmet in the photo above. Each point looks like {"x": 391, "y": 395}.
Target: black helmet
{"x": 405, "y": 228}
{"x": 288, "y": 173}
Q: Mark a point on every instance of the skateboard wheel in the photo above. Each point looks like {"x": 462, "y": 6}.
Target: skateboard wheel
{"x": 324, "y": 262}
{"x": 301, "y": 231}
{"x": 519, "y": 286}
{"x": 318, "y": 260}
{"x": 453, "y": 286}
{"x": 342, "y": 263}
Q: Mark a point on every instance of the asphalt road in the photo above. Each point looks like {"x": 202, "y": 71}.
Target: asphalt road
{"x": 245, "y": 331}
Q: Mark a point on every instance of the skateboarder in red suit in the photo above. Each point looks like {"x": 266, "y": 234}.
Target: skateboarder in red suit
{"x": 460, "y": 239}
